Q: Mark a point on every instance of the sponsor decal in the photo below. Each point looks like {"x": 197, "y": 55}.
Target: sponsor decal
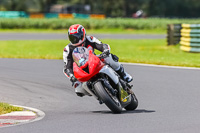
{"x": 65, "y": 50}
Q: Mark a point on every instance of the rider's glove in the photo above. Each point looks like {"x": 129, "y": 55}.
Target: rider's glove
{"x": 72, "y": 78}
{"x": 105, "y": 53}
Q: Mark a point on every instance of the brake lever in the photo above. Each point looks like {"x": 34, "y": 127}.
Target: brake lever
{"x": 100, "y": 56}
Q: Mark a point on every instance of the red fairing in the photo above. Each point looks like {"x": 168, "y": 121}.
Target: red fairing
{"x": 94, "y": 64}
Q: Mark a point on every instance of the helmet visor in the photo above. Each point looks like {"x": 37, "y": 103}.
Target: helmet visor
{"x": 75, "y": 38}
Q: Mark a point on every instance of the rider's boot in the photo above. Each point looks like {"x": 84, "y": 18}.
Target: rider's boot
{"x": 124, "y": 75}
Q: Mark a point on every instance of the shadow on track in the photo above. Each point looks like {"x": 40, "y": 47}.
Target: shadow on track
{"x": 125, "y": 112}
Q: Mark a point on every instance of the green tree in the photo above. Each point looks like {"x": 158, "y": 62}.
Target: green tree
{"x": 14, "y": 5}
{"x": 113, "y": 8}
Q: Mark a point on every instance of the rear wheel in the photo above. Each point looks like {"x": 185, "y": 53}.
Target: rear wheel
{"x": 111, "y": 101}
{"x": 134, "y": 103}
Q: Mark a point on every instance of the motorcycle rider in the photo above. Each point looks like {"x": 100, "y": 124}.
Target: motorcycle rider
{"x": 77, "y": 37}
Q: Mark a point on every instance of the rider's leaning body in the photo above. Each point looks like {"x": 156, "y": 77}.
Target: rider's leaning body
{"x": 90, "y": 42}
{"x": 77, "y": 37}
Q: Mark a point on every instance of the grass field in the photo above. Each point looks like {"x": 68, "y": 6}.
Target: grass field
{"x": 146, "y": 51}
{"x": 7, "y": 108}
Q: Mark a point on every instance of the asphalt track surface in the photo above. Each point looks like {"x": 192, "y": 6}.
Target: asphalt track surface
{"x": 168, "y": 100}
{"x": 54, "y": 36}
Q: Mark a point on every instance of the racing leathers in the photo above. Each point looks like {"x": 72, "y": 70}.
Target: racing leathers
{"x": 93, "y": 43}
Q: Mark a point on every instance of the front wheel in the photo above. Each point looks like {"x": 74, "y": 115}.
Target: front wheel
{"x": 134, "y": 103}
{"x": 111, "y": 101}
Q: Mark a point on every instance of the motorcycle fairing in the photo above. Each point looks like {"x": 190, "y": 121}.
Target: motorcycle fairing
{"x": 94, "y": 65}
{"x": 110, "y": 72}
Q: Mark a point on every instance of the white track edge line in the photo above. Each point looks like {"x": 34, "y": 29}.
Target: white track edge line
{"x": 40, "y": 113}
{"x": 162, "y": 66}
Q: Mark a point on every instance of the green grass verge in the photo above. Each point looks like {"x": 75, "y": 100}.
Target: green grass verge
{"x": 147, "y": 51}
{"x": 7, "y": 108}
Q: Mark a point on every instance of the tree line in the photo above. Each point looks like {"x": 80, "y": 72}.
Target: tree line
{"x": 113, "y": 8}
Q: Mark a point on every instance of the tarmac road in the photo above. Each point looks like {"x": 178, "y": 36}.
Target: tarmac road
{"x": 168, "y": 100}
{"x": 53, "y": 36}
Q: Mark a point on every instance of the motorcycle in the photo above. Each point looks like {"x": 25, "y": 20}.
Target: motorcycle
{"x": 101, "y": 81}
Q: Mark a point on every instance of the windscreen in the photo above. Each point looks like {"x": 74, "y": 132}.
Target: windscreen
{"x": 80, "y": 55}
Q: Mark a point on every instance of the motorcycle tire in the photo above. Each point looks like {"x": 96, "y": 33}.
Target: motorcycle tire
{"x": 112, "y": 102}
{"x": 134, "y": 103}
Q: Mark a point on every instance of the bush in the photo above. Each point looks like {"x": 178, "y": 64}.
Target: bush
{"x": 109, "y": 23}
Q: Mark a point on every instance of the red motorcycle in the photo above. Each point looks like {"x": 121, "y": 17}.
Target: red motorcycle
{"x": 101, "y": 81}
